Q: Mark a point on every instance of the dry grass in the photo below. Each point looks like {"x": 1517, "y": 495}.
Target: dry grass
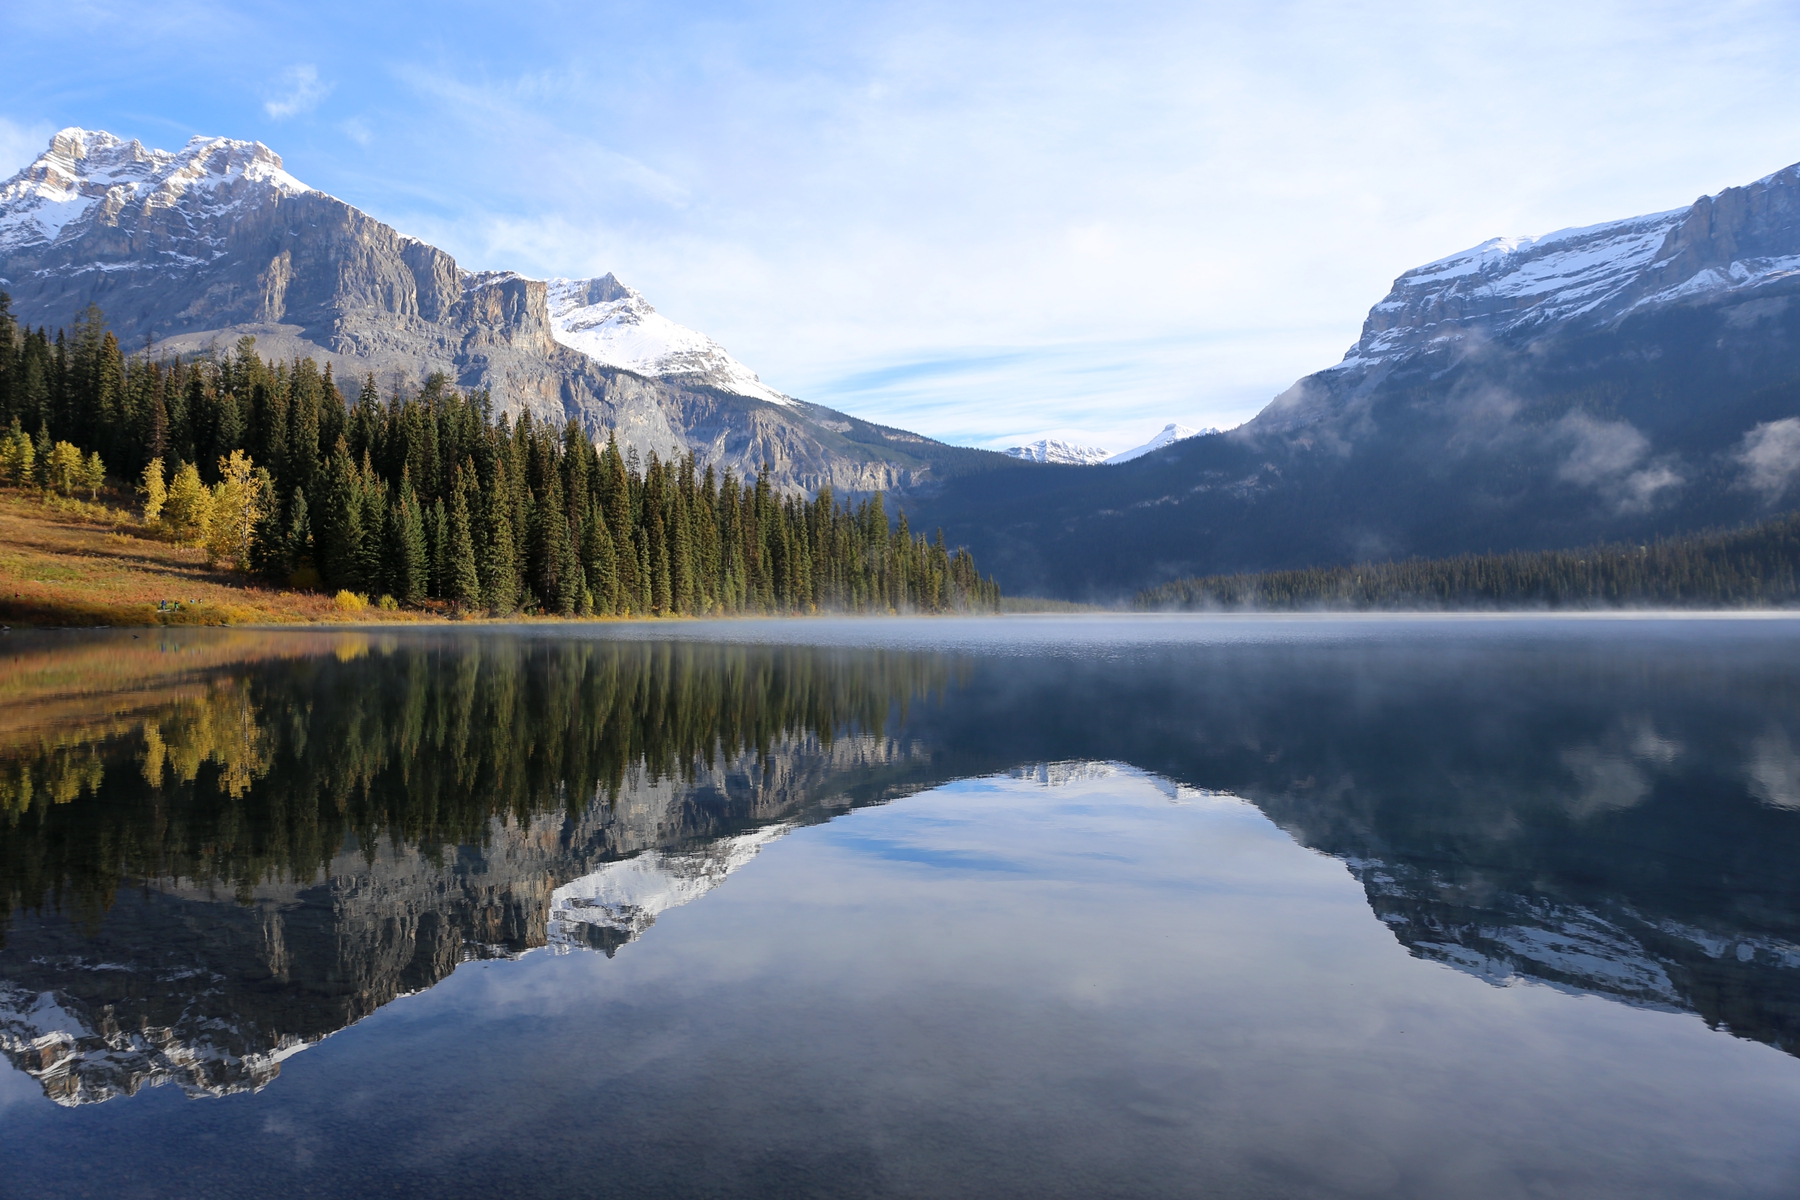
{"x": 65, "y": 563}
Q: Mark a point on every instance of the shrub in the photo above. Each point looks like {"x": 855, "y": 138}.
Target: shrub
{"x": 350, "y": 602}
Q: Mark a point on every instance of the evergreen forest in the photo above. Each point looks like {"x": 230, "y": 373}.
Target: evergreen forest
{"x": 428, "y": 499}
{"x": 1758, "y": 566}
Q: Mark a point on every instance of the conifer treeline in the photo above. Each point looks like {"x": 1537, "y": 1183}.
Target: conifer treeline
{"x": 1753, "y": 567}
{"x": 429, "y": 497}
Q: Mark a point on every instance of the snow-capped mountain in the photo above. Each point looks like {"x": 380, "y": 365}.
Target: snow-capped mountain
{"x": 1618, "y": 381}
{"x": 87, "y": 178}
{"x": 199, "y": 247}
{"x": 1049, "y": 450}
{"x": 615, "y": 326}
{"x": 1170, "y": 434}
{"x": 1513, "y": 288}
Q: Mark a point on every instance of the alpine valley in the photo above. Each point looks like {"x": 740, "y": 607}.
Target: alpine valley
{"x": 1618, "y": 382}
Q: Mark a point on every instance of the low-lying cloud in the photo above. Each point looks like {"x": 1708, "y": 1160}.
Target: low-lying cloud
{"x": 1769, "y": 456}
{"x": 1612, "y": 457}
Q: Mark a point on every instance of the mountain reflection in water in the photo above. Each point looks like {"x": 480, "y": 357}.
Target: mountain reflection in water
{"x": 215, "y": 851}
{"x": 223, "y": 864}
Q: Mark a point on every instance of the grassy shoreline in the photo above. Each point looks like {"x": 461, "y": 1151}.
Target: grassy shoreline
{"x": 65, "y": 563}
{"x": 69, "y": 564}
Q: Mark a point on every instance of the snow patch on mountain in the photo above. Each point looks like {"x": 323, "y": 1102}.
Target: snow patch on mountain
{"x": 1171, "y": 433}
{"x": 1049, "y": 450}
{"x": 87, "y": 176}
{"x": 614, "y": 325}
{"x": 1517, "y": 287}
{"x": 1742, "y": 273}
{"x": 626, "y": 897}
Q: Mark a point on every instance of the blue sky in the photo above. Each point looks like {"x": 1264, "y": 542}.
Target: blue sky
{"x": 986, "y": 222}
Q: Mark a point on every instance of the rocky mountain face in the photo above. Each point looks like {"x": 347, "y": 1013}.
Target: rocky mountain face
{"x": 1613, "y": 382}
{"x": 216, "y": 241}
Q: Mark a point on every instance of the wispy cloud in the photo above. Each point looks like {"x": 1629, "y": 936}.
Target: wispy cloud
{"x": 301, "y": 90}
{"x": 554, "y": 163}
{"x": 357, "y": 130}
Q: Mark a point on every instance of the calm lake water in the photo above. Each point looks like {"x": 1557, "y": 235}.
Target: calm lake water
{"x": 1010, "y": 907}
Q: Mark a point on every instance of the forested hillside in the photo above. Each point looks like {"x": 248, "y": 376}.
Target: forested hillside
{"x": 1754, "y": 567}
{"x": 428, "y": 497}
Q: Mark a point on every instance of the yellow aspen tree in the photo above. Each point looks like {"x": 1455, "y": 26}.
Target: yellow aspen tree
{"x": 238, "y": 503}
{"x": 187, "y": 508}
{"x": 153, "y": 491}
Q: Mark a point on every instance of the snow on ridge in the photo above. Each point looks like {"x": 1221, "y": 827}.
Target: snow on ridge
{"x": 614, "y": 325}
{"x": 627, "y": 896}
{"x": 1492, "y": 255}
{"x": 1171, "y": 433}
{"x": 88, "y": 171}
{"x": 1050, "y": 450}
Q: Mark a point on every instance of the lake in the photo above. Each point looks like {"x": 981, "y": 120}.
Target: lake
{"x": 1098, "y": 906}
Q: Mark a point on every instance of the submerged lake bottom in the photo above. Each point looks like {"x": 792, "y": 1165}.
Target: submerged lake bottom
{"x": 1484, "y": 907}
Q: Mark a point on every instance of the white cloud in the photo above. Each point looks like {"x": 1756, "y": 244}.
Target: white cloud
{"x": 357, "y": 130}
{"x": 301, "y": 91}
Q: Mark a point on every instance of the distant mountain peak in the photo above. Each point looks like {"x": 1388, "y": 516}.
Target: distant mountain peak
{"x": 1049, "y": 450}
{"x": 1170, "y": 434}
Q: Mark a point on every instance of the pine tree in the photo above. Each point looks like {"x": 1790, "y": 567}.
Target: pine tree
{"x": 499, "y": 567}
{"x": 372, "y": 498}
{"x": 437, "y": 535}
{"x": 340, "y": 524}
{"x": 464, "y": 582}
{"x": 299, "y": 533}
{"x": 602, "y": 564}
{"x": 406, "y": 564}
